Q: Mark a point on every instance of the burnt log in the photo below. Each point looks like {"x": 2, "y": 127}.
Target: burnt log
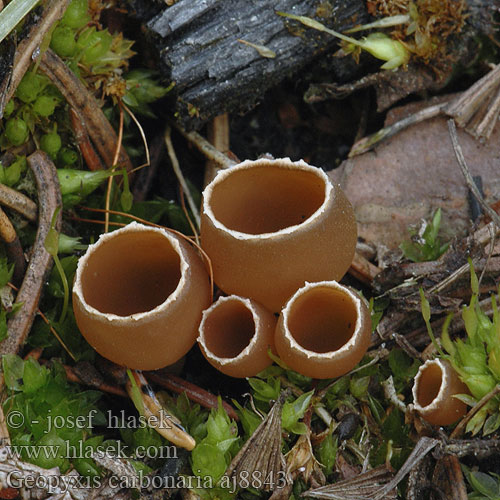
{"x": 202, "y": 49}
{"x": 214, "y": 72}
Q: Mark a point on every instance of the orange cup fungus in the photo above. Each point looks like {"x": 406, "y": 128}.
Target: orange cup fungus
{"x": 235, "y": 335}
{"x": 324, "y": 330}
{"x": 138, "y": 296}
{"x": 269, "y": 226}
{"x": 435, "y": 385}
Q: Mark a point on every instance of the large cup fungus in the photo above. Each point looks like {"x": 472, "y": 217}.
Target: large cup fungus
{"x": 324, "y": 330}
{"x": 235, "y": 335}
{"x": 138, "y": 296}
{"x": 434, "y": 389}
{"x": 269, "y": 226}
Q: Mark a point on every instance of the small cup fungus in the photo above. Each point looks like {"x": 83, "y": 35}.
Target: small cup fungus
{"x": 435, "y": 385}
{"x": 269, "y": 226}
{"x": 235, "y": 335}
{"x": 324, "y": 330}
{"x": 138, "y": 296}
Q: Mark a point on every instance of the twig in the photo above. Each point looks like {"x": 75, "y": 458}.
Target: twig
{"x": 421, "y": 449}
{"x": 465, "y": 106}
{"x": 193, "y": 392}
{"x": 13, "y": 246}
{"x": 180, "y": 176}
{"x": 52, "y": 330}
{"x": 41, "y": 261}
{"x": 72, "y": 376}
{"x": 110, "y": 178}
{"x": 27, "y": 49}
{"x": 218, "y": 135}
{"x": 363, "y": 269}
{"x": 206, "y": 148}
{"x": 468, "y": 177}
{"x": 100, "y": 130}
{"x": 457, "y": 431}
{"x": 88, "y": 152}
{"x": 19, "y": 202}
{"x": 371, "y": 141}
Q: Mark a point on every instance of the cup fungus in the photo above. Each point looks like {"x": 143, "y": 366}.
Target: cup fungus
{"x": 324, "y": 330}
{"x": 138, "y": 296}
{"x": 269, "y": 226}
{"x": 235, "y": 335}
{"x": 435, "y": 385}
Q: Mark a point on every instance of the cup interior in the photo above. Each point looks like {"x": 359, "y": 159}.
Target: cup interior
{"x": 322, "y": 319}
{"x": 429, "y": 384}
{"x": 228, "y": 328}
{"x": 266, "y": 199}
{"x": 130, "y": 273}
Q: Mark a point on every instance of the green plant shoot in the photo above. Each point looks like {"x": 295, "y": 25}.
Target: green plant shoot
{"x": 378, "y": 45}
{"x": 51, "y": 244}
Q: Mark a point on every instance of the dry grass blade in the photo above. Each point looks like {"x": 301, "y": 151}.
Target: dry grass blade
{"x": 468, "y": 177}
{"x": 262, "y": 453}
{"x": 424, "y": 445}
{"x": 466, "y": 105}
{"x": 362, "y": 487}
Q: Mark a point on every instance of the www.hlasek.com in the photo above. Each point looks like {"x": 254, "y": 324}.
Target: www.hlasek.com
{"x": 71, "y": 451}
{"x": 58, "y": 483}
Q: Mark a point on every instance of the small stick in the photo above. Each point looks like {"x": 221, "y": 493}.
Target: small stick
{"x": 465, "y": 106}
{"x": 372, "y": 140}
{"x": 28, "y": 48}
{"x": 363, "y": 269}
{"x": 13, "y": 247}
{"x": 206, "y": 148}
{"x": 19, "y": 202}
{"x": 41, "y": 261}
{"x": 99, "y": 129}
{"x": 88, "y": 152}
{"x": 180, "y": 176}
{"x": 72, "y": 376}
{"x": 457, "y": 432}
{"x": 466, "y": 173}
{"x": 218, "y": 135}
{"x": 193, "y": 392}
{"x": 115, "y": 162}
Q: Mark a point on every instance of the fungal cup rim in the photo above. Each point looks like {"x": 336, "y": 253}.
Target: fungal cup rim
{"x": 248, "y": 349}
{"x": 284, "y": 163}
{"x": 439, "y": 398}
{"x": 358, "y": 330}
{"x": 115, "y": 318}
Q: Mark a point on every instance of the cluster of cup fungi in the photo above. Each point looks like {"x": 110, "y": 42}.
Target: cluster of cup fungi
{"x": 279, "y": 236}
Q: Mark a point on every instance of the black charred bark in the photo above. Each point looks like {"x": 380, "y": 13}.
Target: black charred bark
{"x": 198, "y": 45}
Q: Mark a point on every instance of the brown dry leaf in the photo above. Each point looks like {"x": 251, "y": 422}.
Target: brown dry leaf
{"x": 361, "y": 487}
{"x": 260, "y": 460}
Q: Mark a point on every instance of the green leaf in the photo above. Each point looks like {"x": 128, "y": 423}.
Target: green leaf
{"x": 265, "y": 391}
{"x": 207, "y": 460}
{"x": 6, "y": 271}
{"x": 34, "y": 376}
{"x": 327, "y": 453}
{"x": 13, "y": 368}
{"x": 294, "y": 411}
{"x": 485, "y": 484}
{"x": 359, "y": 386}
{"x": 135, "y": 393}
